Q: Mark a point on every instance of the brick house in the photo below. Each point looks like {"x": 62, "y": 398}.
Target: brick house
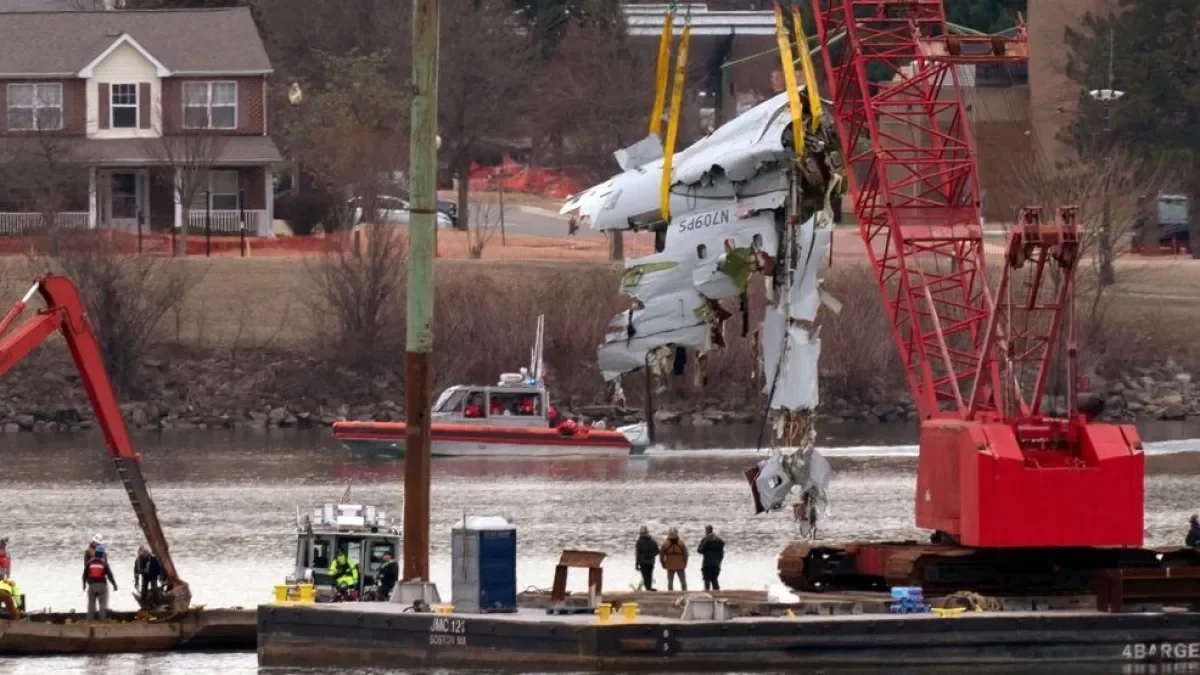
{"x": 154, "y": 107}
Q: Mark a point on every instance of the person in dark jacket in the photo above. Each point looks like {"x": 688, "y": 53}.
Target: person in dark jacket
{"x": 644, "y": 557}
{"x": 147, "y": 572}
{"x": 1193, "y": 535}
{"x": 96, "y": 577}
{"x": 389, "y": 574}
{"x": 712, "y": 552}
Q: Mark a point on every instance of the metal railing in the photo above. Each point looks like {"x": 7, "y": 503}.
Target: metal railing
{"x": 17, "y": 223}
{"x": 229, "y": 221}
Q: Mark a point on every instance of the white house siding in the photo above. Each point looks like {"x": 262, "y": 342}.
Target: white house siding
{"x": 125, "y": 66}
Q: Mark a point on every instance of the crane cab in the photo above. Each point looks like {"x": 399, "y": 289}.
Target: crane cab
{"x": 362, "y": 532}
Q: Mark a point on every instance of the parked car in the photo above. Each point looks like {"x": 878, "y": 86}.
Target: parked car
{"x": 395, "y": 210}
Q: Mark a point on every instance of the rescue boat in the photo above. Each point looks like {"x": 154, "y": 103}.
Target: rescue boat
{"x": 514, "y": 418}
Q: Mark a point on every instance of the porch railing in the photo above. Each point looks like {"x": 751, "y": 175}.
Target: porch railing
{"x": 229, "y": 222}
{"x": 15, "y": 223}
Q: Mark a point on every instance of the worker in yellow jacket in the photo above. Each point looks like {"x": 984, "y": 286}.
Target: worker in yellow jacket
{"x": 10, "y": 598}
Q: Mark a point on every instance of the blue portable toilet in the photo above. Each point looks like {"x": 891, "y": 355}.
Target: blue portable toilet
{"x": 483, "y": 554}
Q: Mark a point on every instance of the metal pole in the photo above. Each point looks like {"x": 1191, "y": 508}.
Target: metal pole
{"x": 207, "y": 224}
{"x": 422, "y": 233}
{"x": 242, "y": 219}
{"x": 503, "y": 239}
{"x": 1107, "y": 273}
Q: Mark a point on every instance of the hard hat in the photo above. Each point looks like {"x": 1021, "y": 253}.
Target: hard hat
{"x": 97, "y": 539}
{"x": 99, "y": 548}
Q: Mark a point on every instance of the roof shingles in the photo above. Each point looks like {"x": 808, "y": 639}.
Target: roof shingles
{"x": 208, "y": 41}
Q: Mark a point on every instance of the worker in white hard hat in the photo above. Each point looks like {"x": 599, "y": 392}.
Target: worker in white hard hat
{"x": 97, "y": 540}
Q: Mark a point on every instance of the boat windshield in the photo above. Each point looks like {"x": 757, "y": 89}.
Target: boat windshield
{"x": 451, "y": 400}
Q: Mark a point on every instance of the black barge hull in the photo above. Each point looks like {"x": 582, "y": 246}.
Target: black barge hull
{"x": 382, "y": 636}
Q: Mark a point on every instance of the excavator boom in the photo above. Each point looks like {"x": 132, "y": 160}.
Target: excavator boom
{"x": 64, "y": 313}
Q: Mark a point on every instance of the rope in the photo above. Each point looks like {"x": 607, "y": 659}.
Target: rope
{"x": 973, "y": 601}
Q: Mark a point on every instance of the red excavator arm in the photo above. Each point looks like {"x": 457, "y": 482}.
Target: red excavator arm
{"x": 64, "y": 312}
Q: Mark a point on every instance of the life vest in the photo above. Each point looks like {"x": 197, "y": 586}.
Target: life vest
{"x": 9, "y": 586}
{"x": 96, "y": 571}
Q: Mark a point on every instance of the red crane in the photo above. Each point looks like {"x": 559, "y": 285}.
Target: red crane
{"x": 1011, "y": 488}
{"x": 64, "y": 313}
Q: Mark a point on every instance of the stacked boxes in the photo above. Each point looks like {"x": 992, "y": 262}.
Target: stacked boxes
{"x": 908, "y": 600}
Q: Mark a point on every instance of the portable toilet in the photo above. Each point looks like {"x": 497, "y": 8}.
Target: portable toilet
{"x": 483, "y": 555}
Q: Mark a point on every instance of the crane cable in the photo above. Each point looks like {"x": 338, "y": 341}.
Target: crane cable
{"x": 664, "y": 69}
{"x": 810, "y": 73}
{"x": 673, "y": 118}
{"x": 789, "y": 77}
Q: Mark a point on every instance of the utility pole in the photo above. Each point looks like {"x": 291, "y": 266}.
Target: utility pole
{"x": 418, "y": 378}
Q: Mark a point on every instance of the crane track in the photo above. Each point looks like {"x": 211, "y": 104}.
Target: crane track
{"x": 938, "y": 568}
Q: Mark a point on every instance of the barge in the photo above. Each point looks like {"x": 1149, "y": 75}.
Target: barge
{"x": 392, "y": 636}
{"x": 125, "y": 632}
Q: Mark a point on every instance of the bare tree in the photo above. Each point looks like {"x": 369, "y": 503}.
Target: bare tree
{"x": 593, "y": 99}
{"x": 485, "y": 84}
{"x": 354, "y": 128}
{"x": 1128, "y": 183}
{"x": 359, "y": 291}
{"x": 487, "y": 217}
{"x": 126, "y": 297}
{"x": 47, "y": 177}
{"x": 189, "y": 160}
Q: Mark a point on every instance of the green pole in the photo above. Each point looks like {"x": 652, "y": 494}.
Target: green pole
{"x": 422, "y": 232}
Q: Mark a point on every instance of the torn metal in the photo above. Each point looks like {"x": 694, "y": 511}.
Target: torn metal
{"x": 741, "y": 207}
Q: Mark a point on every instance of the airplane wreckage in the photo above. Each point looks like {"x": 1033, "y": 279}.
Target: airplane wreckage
{"x": 743, "y": 203}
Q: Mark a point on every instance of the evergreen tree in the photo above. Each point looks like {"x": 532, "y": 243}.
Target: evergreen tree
{"x": 1156, "y": 63}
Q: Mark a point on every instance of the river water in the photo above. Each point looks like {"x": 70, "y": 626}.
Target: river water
{"x": 228, "y": 502}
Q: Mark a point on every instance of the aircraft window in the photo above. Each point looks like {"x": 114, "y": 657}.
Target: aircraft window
{"x": 756, "y": 242}
{"x": 701, "y": 251}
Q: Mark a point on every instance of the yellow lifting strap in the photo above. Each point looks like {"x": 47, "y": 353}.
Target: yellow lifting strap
{"x": 810, "y": 73}
{"x": 673, "y": 118}
{"x": 664, "y": 71}
{"x": 789, "y": 77}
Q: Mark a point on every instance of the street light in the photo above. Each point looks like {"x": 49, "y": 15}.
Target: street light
{"x": 1107, "y": 97}
{"x": 295, "y": 97}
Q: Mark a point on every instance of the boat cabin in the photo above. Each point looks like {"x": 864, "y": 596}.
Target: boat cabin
{"x": 517, "y": 400}
{"x": 364, "y": 533}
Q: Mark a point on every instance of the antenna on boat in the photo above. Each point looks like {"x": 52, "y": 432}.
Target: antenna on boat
{"x": 536, "y": 365}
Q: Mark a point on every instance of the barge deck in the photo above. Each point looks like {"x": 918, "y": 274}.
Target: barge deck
{"x": 386, "y": 636}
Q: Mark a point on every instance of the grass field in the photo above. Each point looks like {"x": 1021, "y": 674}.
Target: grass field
{"x": 485, "y": 309}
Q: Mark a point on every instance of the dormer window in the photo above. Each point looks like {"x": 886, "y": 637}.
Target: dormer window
{"x": 124, "y": 101}
{"x": 210, "y": 105}
{"x": 35, "y": 107}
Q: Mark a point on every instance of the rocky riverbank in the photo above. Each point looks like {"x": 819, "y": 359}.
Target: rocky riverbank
{"x": 263, "y": 393}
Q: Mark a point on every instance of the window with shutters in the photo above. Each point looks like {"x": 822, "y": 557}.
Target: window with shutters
{"x": 210, "y": 105}
{"x": 35, "y": 107}
{"x": 123, "y": 100}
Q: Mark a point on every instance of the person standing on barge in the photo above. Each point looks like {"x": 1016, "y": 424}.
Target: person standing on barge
{"x": 96, "y": 577}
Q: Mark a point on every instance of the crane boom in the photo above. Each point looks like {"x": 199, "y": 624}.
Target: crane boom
{"x": 992, "y": 459}
{"x": 64, "y": 313}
